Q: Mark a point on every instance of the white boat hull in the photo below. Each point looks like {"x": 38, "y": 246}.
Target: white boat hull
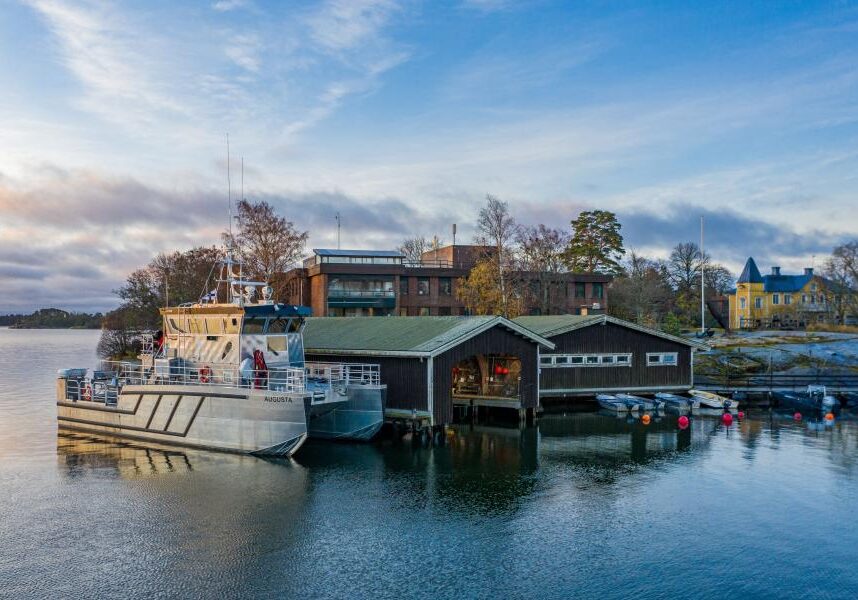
{"x": 217, "y": 418}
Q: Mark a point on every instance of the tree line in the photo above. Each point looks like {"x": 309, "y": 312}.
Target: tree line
{"x": 52, "y": 318}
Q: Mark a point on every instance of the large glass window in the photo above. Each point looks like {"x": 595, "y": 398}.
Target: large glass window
{"x": 445, "y": 286}
{"x": 357, "y": 287}
{"x": 422, "y": 286}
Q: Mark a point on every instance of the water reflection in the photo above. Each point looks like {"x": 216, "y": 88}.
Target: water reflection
{"x": 80, "y": 455}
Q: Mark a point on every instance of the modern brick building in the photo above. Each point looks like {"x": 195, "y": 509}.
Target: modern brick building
{"x": 351, "y": 283}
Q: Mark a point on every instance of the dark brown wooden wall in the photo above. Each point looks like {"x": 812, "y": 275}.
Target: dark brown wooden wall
{"x": 609, "y": 338}
{"x": 496, "y": 340}
{"x": 405, "y": 377}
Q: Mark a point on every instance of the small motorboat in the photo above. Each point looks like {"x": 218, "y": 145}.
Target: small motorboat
{"x": 612, "y": 403}
{"x": 643, "y": 403}
{"x": 679, "y": 402}
{"x": 815, "y": 399}
{"x": 710, "y": 400}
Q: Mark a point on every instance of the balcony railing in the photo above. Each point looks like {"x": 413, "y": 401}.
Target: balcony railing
{"x": 430, "y": 264}
{"x": 341, "y": 293}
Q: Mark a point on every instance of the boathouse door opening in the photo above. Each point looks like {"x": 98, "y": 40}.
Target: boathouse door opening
{"x": 491, "y": 379}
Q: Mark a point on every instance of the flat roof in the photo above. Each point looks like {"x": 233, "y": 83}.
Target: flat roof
{"x": 401, "y": 336}
{"x": 552, "y": 325}
{"x": 371, "y": 253}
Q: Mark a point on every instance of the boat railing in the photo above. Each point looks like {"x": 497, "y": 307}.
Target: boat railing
{"x": 280, "y": 379}
{"x": 346, "y": 373}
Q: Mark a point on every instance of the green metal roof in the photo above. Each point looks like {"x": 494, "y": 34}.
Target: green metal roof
{"x": 551, "y": 325}
{"x": 402, "y": 336}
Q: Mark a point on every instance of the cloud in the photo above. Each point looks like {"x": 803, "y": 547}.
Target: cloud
{"x": 228, "y": 5}
{"x": 244, "y": 51}
{"x": 342, "y": 25}
{"x": 110, "y": 59}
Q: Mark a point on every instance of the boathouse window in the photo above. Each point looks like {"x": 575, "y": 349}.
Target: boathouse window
{"x": 445, "y": 286}
{"x": 422, "y": 286}
{"x": 776, "y": 298}
{"x": 253, "y": 325}
{"x": 662, "y": 359}
{"x": 580, "y": 289}
{"x": 585, "y": 360}
{"x": 597, "y": 290}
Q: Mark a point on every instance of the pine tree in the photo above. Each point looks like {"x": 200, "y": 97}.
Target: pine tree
{"x": 596, "y": 244}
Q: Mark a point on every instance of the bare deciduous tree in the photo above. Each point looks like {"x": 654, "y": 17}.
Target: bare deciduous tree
{"x": 413, "y": 248}
{"x": 266, "y": 242}
{"x": 540, "y": 259}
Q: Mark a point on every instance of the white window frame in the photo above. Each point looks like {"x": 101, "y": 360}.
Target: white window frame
{"x": 650, "y": 356}
{"x": 565, "y": 361}
{"x": 776, "y": 298}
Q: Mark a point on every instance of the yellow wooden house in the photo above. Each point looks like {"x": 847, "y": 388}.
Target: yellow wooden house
{"x": 776, "y": 300}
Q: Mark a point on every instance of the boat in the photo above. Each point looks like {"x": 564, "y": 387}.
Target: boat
{"x": 643, "y": 403}
{"x": 677, "y": 402}
{"x": 711, "y": 400}
{"x": 226, "y": 373}
{"x": 612, "y": 403}
{"x": 815, "y": 398}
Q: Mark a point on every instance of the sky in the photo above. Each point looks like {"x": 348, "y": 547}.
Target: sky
{"x": 402, "y": 115}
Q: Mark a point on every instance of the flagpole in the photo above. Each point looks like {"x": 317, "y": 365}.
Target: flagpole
{"x": 702, "y": 282}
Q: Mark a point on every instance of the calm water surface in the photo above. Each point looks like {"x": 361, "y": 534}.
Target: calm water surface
{"x": 579, "y": 506}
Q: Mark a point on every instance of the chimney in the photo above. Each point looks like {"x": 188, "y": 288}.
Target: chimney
{"x": 808, "y": 271}
{"x": 776, "y": 271}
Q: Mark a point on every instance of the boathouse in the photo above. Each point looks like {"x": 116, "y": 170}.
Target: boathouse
{"x": 430, "y": 363}
{"x": 601, "y": 354}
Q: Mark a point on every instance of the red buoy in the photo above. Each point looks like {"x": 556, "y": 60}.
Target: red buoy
{"x": 741, "y": 415}
{"x": 829, "y": 416}
{"x": 727, "y": 419}
{"x": 645, "y": 419}
{"x": 683, "y": 422}
{"x": 797, "y": 416}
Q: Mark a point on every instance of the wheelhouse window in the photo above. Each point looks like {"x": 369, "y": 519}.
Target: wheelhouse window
{"x": 662, "y": 359}
{"x": 253, "y": 325}
{"x": 276, "y": 344}
{"x": 279, "y": 325}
